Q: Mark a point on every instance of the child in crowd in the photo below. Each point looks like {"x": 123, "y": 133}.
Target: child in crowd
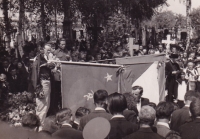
{"x": 191, "y": 75}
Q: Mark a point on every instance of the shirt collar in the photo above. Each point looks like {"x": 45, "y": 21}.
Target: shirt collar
{"x": 66, "y": 124}
{"x": 99, "y": 109}
{"x": 164, "y": 124}
{"x": 187, "y": 105}
{"x": 117, "y": 116}
{"x": 76, "y": 122}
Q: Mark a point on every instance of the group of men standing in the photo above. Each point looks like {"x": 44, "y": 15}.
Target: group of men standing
{"x": 46, "y": 78}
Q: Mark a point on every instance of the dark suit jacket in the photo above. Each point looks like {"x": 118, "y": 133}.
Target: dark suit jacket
{"x": 14, "y": 84}
{"x": 162, "y": 130}
{"x": 75, "y": 126}
{"x": 144, "y": 101}
{"x": 144, "y": 133}
{"x": 120, "y": 128}
{"x": 190, "y": 130}
{"x": 179, "y": 117}
{"x": 97, "y": 113}
{"x": 67, "y": 132}
{"x": 130, "y": 116}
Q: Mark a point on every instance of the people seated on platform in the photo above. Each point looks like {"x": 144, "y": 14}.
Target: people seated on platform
{"x": 191, "y": 130}
{"x": 100, "y": 102}
{"x": 147, "y": 116}
{"x": 80, "y": 112}
{"x": 163, "y": 116}
{"x": 131, "y": 113}
{"x": 180, "y": 116}
{"x": 120, "y": 127}
{"x": 160, "y": 49}
{"x": 137, "y": 92}
{"x": 64, "y": 118}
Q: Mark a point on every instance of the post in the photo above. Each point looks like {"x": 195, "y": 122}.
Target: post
{"x": 188, "y": 10}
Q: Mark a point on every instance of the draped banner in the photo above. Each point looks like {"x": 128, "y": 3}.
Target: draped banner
{"x": 146, "y": 71}
{"x": 80, "y": 81}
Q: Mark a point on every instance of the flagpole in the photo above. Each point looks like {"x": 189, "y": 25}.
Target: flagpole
{"x": 83, "y": 63}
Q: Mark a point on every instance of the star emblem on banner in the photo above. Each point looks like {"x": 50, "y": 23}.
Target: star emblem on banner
{"x": 89, "y": 95}
{"x": 108, "y": 77}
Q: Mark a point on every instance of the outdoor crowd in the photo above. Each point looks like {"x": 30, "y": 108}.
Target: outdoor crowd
{"x": 129, "y": 115}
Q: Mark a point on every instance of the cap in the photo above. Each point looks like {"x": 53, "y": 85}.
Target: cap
{"x": 97, "y": 128}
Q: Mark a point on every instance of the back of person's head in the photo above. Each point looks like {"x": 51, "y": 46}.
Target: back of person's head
{"x": 116, "y": 103}
{"x": 81, "y": 111}
{"x": 30, "y": 121}
{"x": 50, "y": 124}
{"x": 195, "y": 108}
{"x": 153, "y": 105}
{"x": 64, "y": 115}
{"x": 100, "y": 97}
{"x": 191, "y": 95}
{"x": 147, "y": 115}
{"x": 164, "y": 110}
{"x": 131, "y": 101}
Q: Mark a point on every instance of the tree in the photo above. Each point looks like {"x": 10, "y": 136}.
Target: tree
{"x": 195, "y": 18}
{"x": 7, "y": 24}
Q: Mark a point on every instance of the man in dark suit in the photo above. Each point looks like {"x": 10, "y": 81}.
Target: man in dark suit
{"x": 66, "y": 131}
{"x": 172, "y": 70}
{"x": 120, "y": 127}
{"x": 14, "y": 81}
{"x": 147, "y": 116}
{"x": 100, "y": 98}
{"x": 180, "y": 116}
{"x": 163, "y": 115}
{"x": 137, "y": 92}
{"x": 6, "y": 68}
{"x": 191, "y": 130}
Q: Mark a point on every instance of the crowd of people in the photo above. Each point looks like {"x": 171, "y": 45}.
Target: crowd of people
{"x": 130, "y": 116}
{"x": 28, "y": 82}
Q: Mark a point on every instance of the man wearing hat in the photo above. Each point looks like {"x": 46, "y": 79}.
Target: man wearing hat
{"x": 172, "y": 70}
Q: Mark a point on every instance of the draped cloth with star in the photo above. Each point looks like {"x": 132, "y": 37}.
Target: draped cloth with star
{"x": 79, "y": 82}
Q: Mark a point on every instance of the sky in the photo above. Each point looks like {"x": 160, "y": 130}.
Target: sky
{"x": 179, "y": 7}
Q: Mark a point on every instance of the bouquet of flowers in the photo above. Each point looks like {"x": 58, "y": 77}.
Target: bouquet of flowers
{"x": 18, "y": 105}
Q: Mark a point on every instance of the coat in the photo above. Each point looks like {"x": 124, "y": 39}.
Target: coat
{"x": 120, "y": 128}
{"x": 67, "y": 132}
{"x": 96, "y": 113}
{"x": 179, "y": 117}
{"x": 144, "y": 133}
{"x": 190, "y": 130}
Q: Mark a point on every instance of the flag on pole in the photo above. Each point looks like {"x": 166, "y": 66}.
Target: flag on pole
{"x": 80, "y": 81}
{"x": 146, "y": 71}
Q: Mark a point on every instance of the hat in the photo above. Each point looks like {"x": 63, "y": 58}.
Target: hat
{"x": 97, "y": 128}
{"x": 173, "y": 56}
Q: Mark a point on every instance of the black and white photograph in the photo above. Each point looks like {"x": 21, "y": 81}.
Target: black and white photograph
{"x": 99, "y": 69}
